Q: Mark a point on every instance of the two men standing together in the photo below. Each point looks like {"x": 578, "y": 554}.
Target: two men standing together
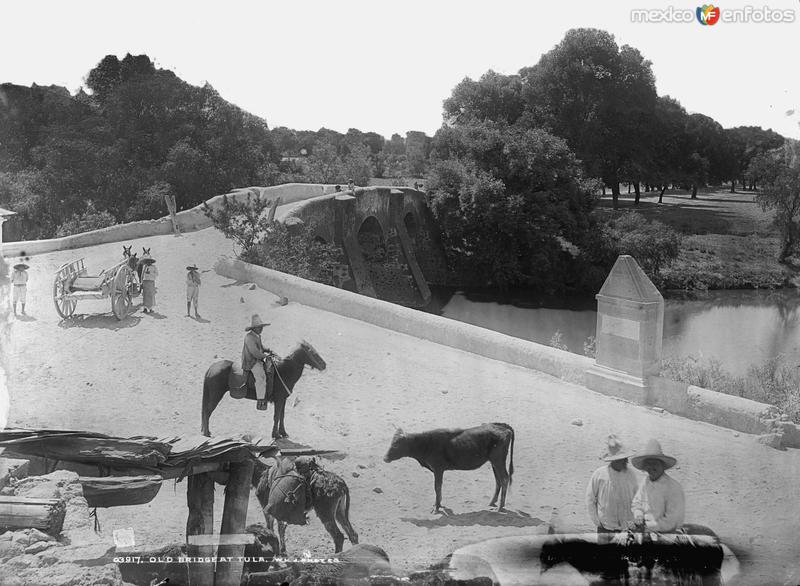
{"x": 618, "y": 499}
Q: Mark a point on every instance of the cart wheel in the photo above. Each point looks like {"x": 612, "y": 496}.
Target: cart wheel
{"x": 121, "y": 293}
{"x": 65, "y": 305}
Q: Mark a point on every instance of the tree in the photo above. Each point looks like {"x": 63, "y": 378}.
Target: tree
{"x": 418, "y": 147}
{"x": 245, "y": 222}
{"x": 494, "y": 97}
{"x": 778, "y": 171}
{"x": 746, "y": 143}
{"x": 668, "y": 145}
{"x": 395, "y": 146}
{"x": 505, "y": 196}
{"x": 86, "y": 221}
{"x": 708, "y": 154}
{"x": 597, "y": 96}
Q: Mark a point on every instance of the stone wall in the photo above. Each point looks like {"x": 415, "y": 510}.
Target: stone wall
{"x": 188, "y": 221}
{"x": 565, "y": 365}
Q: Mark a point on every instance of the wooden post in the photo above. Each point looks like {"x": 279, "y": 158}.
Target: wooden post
{"x": 172, "y": 207}
{"x": 273, "y": 208}
{"x": 234, "y": 519}
{"x": 200, "y": 498}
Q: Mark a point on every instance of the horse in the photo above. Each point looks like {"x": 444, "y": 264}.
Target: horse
{"x": 288, "y": 371}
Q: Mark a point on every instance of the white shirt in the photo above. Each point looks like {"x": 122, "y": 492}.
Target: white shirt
{"x": 609, "y": 496}
{"x": 661, "y": 503}
{"x": 149, "y": 273}
{"x": 19, "y": 277}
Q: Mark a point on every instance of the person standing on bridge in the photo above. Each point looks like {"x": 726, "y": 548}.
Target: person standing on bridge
{"x": 659, "y": 504}
{"x": 149, "y": 274}
{"x": 257, "y": 360}
{"x": 19, "y": 281}
{"x": 611, "y": 490}
{"x": 192, "y": 289}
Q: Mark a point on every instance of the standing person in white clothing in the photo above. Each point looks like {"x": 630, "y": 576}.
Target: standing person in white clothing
{"x": 149, "y": 274}
{"x": 659, "y": 503}
{"x": 611, "y": 490}
{"x": 192, "y": 289}
{"x": 19, "y": 282}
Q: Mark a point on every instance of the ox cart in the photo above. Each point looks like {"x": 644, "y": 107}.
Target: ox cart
{"x": 73, "y": 283}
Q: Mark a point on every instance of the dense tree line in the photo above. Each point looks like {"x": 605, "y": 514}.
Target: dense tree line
{"x": 516, "y": 169}
{"x": 73, "y": 163}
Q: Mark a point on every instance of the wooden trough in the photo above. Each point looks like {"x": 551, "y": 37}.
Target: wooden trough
{"x": 120, "y": 491}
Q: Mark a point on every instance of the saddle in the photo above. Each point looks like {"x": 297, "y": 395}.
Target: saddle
{"x": 241, "y": 382}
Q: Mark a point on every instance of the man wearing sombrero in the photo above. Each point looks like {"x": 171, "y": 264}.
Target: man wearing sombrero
{"x": 192, "y": 289}
{"x": 19, "y": 282}
{"x": 256, "y": 359}
{"x": 611, "y": 490}
{"x": 659, "y": 503}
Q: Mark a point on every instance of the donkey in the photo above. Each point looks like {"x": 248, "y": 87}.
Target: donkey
{"x": 328, "y": 496}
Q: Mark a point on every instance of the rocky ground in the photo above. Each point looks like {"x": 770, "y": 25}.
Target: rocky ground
{"x": 143, "y": 376}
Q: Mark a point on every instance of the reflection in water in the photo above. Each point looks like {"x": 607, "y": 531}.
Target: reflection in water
{"x": 738, "y": 328}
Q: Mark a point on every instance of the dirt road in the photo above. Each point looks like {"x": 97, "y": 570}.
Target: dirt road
{"x": 143, "y": 376}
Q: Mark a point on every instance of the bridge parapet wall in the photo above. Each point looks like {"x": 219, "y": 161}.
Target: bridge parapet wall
{"x": 188, "y": 221}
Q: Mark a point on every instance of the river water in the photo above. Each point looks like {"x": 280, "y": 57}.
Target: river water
{"x": 740, "y": 328}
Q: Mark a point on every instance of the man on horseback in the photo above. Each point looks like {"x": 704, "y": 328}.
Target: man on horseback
{"x": 257, "y": 360}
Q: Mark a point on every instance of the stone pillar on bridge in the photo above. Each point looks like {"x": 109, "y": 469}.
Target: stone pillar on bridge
{"x": 345, "y": 236}
{"x": 630, "y": 326}
{"x": 399, "y": 239}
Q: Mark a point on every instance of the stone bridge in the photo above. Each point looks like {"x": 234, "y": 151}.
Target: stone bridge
{"x": 390, "y": 243}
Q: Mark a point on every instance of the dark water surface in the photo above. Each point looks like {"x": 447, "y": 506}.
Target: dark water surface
{"x": 739, "y": 328}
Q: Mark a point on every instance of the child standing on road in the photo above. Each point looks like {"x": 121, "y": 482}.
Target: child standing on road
{"x": 192, "y": 289}
{"x": 19, "y": 281}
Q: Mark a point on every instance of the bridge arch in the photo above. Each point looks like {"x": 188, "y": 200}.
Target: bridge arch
{"x": 371, "y": 239}
{"x": 411, "y": 223}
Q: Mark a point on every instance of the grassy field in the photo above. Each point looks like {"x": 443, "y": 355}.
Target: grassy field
{"x": 728, "y": 242}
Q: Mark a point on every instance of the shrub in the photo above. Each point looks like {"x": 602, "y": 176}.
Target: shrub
{"x": 149, "y": 203}
{"x": 296, "y": 251}
{"x": 89, "y": 220}
{"x": 557, "y": 341}
{"x": 654, "y": 245}
{"x": 772, "y": 382}
{"x": 244, "y": 222}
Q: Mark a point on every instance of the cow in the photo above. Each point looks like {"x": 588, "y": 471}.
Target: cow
{"x": 327, "y": 494}
{"x": 459, "y": 449}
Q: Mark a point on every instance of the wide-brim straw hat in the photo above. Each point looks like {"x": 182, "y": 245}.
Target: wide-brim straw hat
{"x": 255, "y": 322}
{"x": 615, "y": 450}
{"x": 652, "y": 450}
{"x": 21, "y": 266}
{"x": 191, "y": 268}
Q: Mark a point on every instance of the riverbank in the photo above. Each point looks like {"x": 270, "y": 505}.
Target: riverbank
{"x": 728, "y": 242}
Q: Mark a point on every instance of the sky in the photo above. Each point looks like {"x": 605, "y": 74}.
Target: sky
{"x": 387, "y": 66}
